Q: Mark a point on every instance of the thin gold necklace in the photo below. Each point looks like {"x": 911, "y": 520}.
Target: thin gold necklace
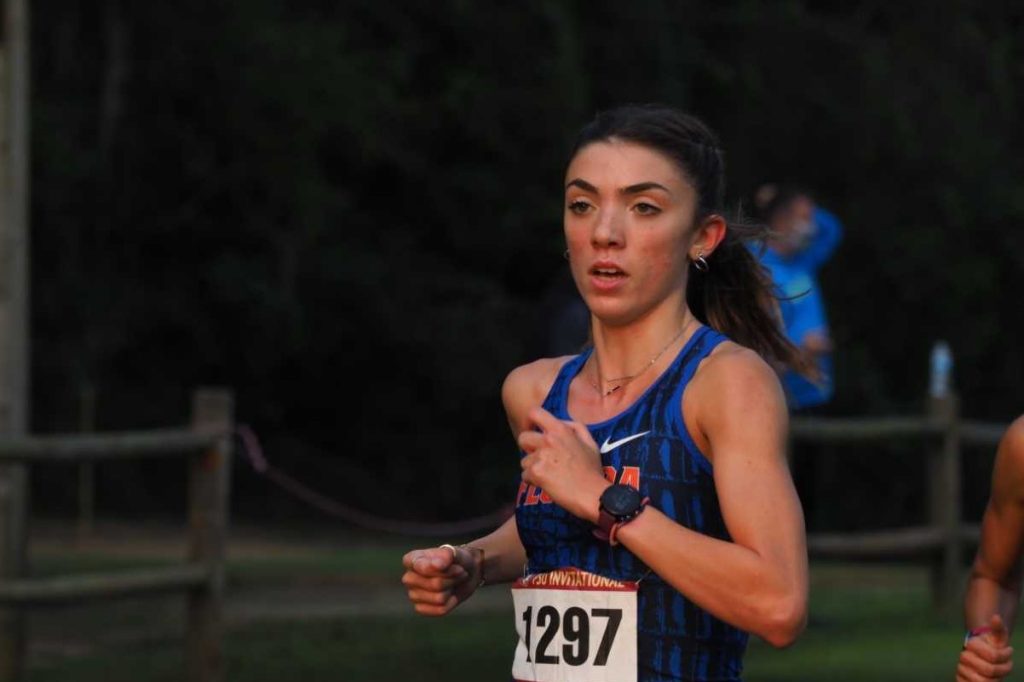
{"x": 629, "y": 377}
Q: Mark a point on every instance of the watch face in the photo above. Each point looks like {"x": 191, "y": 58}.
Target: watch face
{"x": 620, "y": 500}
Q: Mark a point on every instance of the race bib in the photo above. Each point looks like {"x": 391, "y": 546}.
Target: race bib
{"x": 574, "y": 626}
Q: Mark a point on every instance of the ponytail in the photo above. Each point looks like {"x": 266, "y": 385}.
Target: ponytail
{"x": 736, "y": 296}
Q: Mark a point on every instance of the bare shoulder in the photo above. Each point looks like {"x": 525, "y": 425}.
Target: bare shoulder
{"x": 1013, "y": 439}
{"x": 526, "y": 386}
{"x": 1008, "y": 475}
{"x": 734, "y": 375}
{"x": 734, "y": 392}
{"x": 1002, "y": 527}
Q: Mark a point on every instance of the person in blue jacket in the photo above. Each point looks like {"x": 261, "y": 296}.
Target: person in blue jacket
{"x": 802, "y": 238}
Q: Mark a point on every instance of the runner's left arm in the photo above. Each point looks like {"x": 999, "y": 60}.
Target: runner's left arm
{"x": 758, "y": 581}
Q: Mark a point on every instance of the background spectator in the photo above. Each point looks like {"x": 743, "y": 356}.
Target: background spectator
{"x": 803, "y": 237}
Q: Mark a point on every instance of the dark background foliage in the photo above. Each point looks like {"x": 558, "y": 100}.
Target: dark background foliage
{"x": 348, "y": 212}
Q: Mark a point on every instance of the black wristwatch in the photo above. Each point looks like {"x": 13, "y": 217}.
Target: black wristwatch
{"x": 619, "y": 504}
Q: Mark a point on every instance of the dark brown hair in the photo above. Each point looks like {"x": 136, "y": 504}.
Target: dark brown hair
{"x": 736, "y": 295}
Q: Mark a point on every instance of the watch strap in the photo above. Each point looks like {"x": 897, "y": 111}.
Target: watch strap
{"x": 605, "y": 521}
{"x": 608, "y": 526}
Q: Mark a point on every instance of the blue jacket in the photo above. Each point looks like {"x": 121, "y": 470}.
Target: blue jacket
{"x": 803, "y": 310}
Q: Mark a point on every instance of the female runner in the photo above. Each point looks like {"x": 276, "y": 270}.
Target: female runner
{"x": 656, "y": 523}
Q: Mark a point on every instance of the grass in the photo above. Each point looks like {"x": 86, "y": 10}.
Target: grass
{"x": 867, "y": 623}
{"x": 464, "y": 649}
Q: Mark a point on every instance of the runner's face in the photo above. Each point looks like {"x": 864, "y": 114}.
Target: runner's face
{"x": 628, "y": 225}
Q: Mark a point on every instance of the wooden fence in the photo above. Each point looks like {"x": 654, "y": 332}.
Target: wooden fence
{"x": 945, "y": 537}
{"x": 207, "y": 446}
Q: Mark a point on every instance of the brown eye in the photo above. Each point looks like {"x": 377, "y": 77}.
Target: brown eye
{"x": 643, "y": 208}
{"x": 579, "y": 207}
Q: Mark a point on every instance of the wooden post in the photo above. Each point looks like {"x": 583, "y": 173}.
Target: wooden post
{"x": 209, "y": 485}
{"x": 86, "y": 470}
{"x": 13, "y": 506}
{"x": 14, "y": 347}
{"x": 945, "y": 503}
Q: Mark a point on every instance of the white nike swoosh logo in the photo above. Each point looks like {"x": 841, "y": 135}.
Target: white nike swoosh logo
{"x": 608, "y": 447}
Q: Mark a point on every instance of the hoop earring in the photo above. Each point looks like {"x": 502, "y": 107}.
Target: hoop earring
{"x": 701, "y": 263}
{"x": 566, "y": 254}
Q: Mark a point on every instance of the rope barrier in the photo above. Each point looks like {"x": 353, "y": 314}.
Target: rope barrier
{"x": 258, "y": 461}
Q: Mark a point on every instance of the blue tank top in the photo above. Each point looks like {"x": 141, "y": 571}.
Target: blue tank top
{"x": 677, "y": 640}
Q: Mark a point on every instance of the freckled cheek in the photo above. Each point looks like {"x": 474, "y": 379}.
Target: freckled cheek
{"x": 665, "y": 267}
{"x": 662, "y": 258}
{"x": 576, "y": 238}
{"x": 575, "y": 242}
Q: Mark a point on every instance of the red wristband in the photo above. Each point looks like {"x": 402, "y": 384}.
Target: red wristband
{"x": 974, "y": 632}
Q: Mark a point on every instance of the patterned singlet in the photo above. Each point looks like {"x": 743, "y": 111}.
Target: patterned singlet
{"x": 677, "y": 640}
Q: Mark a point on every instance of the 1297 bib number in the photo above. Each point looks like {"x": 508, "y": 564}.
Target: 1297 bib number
{"x": 575, "y": 626}
{"x": 575, "y": 631}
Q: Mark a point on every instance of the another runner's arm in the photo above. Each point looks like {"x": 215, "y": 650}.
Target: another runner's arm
{"x": 995, "y": 583}
{"x": 757, "y": 582}
{"x": 993, "y": 590}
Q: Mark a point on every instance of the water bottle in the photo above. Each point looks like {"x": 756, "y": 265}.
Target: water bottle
{"x": 941, "y": 369}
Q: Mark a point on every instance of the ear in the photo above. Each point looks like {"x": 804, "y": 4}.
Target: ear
{"x": 708, "y": 235}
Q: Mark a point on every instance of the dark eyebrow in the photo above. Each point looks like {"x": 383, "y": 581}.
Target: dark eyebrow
{"x": 631, "y": 189}
{"x": 643, "y": 187}
{"x": 582, "y": 184}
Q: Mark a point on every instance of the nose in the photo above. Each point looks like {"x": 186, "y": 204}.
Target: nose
{"x": 608, "y": 230}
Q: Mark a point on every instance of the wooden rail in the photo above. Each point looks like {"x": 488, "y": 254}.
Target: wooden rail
{"x": 945, "y": 537}
{"x": 876, "y": 429}
{"x": 84, "y": 448}
{"x": 979, "y": 433}
{"x": 206, "y": 444}
{"x": 860, "y": 429}
{"x": 900, "y": 542}
{"x": 64, "y": 589}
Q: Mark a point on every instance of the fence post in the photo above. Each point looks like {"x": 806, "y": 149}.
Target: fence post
{"x": 86, "y": 470}
{"x": 944, "y": 501}
{"x": 209, "y": 485}
{"x": 13, "y": 558}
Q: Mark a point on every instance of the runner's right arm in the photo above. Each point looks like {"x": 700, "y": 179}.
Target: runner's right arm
{"x": 438, "y": 579}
